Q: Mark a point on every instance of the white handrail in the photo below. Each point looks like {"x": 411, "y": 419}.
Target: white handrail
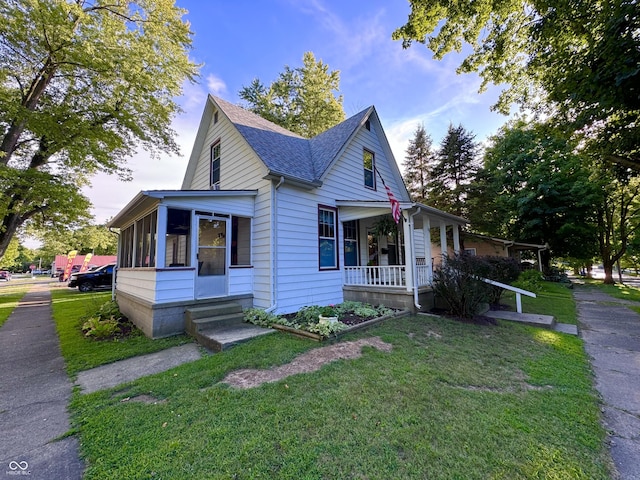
{"x": 517, "y": 290}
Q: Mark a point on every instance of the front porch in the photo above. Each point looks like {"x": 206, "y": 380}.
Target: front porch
{"x": 390, "y": 263}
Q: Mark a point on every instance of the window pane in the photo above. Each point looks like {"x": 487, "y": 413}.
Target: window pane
{"x": 178, "y": 239}
{"x": 327, "y": 240}
{"x": 368, "y": 161}
{"x": 327, "y": 253}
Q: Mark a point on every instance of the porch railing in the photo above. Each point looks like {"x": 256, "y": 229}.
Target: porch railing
{"x": 388, "y": 276}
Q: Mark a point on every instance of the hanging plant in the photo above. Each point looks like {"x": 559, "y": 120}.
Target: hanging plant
{"x": 384, "y": 226}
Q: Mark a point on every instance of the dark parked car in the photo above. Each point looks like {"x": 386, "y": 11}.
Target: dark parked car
{"x": 101, "y": 277}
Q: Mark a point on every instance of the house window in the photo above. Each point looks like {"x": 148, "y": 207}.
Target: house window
{"x": 327, "y": 238}
{"x": 350, "y": 230}
{"x": 145, "y": 232}
{"x": 369, "y": 163}
{"x": 178, "y": 238}
{"x": 470, "y": 251}
{"x": 126, "y": 247}
{"x": 240, "y": 241}
{"x": 215, "y": 166}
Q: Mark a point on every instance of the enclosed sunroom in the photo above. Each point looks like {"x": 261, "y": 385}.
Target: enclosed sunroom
{"x": 179, "y": 248}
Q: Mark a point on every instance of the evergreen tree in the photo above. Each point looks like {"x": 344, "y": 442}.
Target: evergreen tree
{"x": 419, "y": 158}
{"x": 455, "y": 166}
{"x": 301, "y": 100}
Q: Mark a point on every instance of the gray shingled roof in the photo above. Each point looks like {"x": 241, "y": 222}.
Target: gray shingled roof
{"x": 287, "y": 153}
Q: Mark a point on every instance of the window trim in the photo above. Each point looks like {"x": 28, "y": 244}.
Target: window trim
{"x": 335, "y": 238}
{"x": 215, "y": 185}
{"x": 373, "y": 169}
{"x": 355, "y": 241}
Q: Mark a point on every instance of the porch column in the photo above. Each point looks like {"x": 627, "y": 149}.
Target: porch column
{"x": 161, "y": 236}
{"x": 426, "y": 235}
{"x": 409, "y": 251}
{"x": 443, "y": 240}
{"x": 456, "y": 239}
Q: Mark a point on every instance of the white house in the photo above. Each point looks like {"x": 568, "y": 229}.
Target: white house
{"x": 269, "y": 219}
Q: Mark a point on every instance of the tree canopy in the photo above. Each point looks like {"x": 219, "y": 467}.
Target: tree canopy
{"x": 534, "y": 188}
{"x": 83, "y": 85}
{"x": 301, "y": 99}
{"x": 578, "y": 61}
{"x": 453, "y": 169}
{"x": 419, "y": 157}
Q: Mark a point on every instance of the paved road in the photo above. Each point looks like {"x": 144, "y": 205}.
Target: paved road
{"x": 611, "y": 332}
{"x": 34, "y": 394}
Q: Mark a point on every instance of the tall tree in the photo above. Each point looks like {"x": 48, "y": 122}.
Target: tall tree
{"x": 534, "y": 187}
{"x": 83, "y": 85}
{"x": 418, "y": 160}
{"x": 455, "y": 166}
{"x": 576, "y": 60}
{"x": 301, "y": 99}
{"x": 618, "y": 214}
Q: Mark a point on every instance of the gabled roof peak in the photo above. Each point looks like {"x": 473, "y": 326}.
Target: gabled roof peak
{"x": 285, "y": 152}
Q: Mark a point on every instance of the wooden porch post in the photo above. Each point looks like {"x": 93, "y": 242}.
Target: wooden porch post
{"x": 161, "y": 236}
{"x": 426, "y": 235}
{"x": 443, "y": 239}
{"x": 409, "y": 251}
{"x": 456, "y": 239}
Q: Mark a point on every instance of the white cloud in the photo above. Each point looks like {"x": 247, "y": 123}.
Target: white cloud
{"x": 216, "y": 85}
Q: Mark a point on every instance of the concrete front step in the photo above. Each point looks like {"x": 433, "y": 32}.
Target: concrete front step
{"x": 208, "y": 317}
{"x": 218, "y": 339}
{"x": 534, "y": 319}
{"x": 226, "y": 308}
{"x": 544, "y": 321}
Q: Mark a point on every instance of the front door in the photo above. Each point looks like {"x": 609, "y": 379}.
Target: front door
{"x": 212, "y": 253}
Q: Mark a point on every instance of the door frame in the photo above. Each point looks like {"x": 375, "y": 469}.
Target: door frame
{"x": 211, "y": 286}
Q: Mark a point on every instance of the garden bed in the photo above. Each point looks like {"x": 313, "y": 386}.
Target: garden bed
{"x": 352, "y": 316}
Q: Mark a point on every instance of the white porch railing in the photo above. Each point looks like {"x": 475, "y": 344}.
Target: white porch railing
{"x": 519, "y": 292}
{"x": 388, "y": 276}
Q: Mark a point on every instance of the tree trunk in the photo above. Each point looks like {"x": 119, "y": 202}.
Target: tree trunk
{"x": 608, "y": 271}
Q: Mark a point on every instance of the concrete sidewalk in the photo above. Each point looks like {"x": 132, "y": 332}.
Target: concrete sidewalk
{"x": 34, "y": 395}
{"x": 611, "y": 334}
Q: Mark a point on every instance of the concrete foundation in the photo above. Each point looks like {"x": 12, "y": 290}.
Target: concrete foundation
{"x": 390, "y": 297}
{"x": 167, "y": 319}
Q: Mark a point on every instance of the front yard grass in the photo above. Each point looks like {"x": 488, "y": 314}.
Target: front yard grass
{"x": 452, "y": 400}
{"x": 10, "y": 295}
{"x": 82, "y": 353}
{"x": 554, "y": 298}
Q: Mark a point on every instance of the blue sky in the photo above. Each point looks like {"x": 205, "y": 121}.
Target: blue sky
{"x": 237, "y": 41}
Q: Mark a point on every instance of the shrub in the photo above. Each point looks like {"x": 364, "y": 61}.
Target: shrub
{"x": 530, "y": 280}
{"x": 500, "y": 269}
{"x": 260, "y": 317}
{"x": 457, "y": 282}
{"x": 105, "y": 322}
{"x": 326, "y": 327}
{"x": 101, "y": 329}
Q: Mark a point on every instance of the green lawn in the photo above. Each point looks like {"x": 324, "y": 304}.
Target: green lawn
{"x": 450, "y": 401}
{"x": 81, "y": 353}
{"x": 10, "y": 295}
{"x": 554, "y": 299}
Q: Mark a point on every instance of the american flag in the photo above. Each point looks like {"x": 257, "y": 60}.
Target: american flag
{"x": 395, "y": 205}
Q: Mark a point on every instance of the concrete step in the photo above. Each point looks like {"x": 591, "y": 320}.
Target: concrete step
{"x": 534, "y": 319}
{"x": 226, "y": 308}
{"x": 219, "y": 339}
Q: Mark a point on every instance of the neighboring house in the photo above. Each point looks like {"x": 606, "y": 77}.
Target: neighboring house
{"x": 269, "y": 219}
{"x": 475, "y": 244}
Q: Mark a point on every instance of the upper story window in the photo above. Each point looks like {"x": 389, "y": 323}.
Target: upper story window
{"x": 328, "y": 238}
{"x": 214, "y": 169}
{"x": 369, "y": 164}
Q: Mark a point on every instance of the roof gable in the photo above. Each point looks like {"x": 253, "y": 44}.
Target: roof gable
{"x": 285, "y": 153}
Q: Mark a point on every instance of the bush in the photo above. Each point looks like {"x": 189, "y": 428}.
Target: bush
{"x": 457, "y": 282}
{"x": 260, "y": 317}
{"x": 530, "y": 280}
{"x": 500, "y": 269}
{"x": 105, "y": 322}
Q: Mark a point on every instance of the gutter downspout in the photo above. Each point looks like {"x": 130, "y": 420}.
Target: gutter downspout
{"x": 274, "y": 236}
{"x": 413, "y": 254}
